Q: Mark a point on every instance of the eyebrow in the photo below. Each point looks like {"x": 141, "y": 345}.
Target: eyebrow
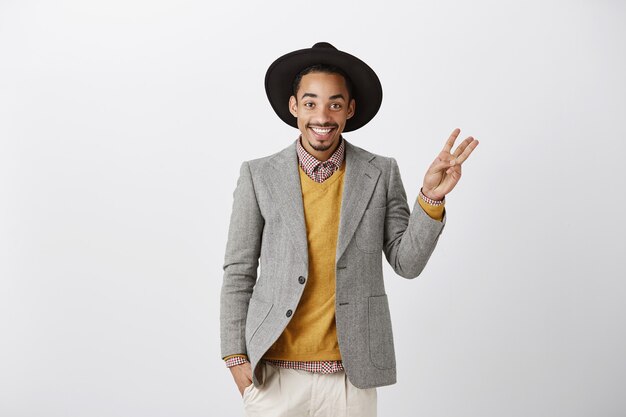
{"x": 336, "y": 96}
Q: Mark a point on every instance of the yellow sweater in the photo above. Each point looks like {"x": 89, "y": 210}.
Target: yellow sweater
{"x": 311, "y": 335}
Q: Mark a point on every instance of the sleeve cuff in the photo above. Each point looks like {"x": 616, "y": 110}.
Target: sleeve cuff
{"x": 233, "y": 360}
{"x": 435, "y": 212}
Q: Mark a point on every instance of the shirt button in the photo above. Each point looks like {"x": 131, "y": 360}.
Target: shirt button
{"x": 301, "y": 280}
{"x": 289, "y": 313}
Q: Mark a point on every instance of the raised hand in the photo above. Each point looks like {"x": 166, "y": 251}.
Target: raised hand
{"x": 445, "y": 171}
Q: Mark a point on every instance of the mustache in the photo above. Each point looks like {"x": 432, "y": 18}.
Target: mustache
{"x": 323, "y": 125}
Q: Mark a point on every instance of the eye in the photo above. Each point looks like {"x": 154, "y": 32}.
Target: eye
{"x": 309, "y": 105}
{"x": 335, "y": 106}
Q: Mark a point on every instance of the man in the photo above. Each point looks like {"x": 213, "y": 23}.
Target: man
{"x": 312, "y": 335}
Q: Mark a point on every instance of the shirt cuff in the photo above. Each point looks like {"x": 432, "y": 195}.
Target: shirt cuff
{"x": 233, "y": 360}
{"x": 435, "y": 212}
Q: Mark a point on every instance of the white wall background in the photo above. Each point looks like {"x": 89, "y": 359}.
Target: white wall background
{"x": 122, "y": 128}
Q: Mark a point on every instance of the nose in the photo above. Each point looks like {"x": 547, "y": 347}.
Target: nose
{"x": 324, "y": 115}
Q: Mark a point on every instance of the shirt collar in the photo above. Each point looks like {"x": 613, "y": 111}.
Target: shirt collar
{"x": 309, "y": 161}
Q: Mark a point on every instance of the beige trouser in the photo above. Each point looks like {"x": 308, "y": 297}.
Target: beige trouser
{"x": 296, "y": 393}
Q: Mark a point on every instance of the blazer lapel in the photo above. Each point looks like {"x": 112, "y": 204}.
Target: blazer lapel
{"x": 283, "y": 181}
{"x": 359, "y": 182}
{"x": 284, "y": 184}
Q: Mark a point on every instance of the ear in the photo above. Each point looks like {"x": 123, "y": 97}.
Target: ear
{"x": 293, "y": 106}
{"x": 351, "y": 108}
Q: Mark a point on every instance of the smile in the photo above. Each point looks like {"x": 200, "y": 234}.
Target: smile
{"x": 322, "y": 132}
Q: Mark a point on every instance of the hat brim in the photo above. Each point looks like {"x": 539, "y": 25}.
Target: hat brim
{"x": 367, "y": 90}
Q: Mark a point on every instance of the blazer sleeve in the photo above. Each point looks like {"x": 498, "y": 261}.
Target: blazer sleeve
{"x": 241, "y": 260}
{"x": 410, "y": 237}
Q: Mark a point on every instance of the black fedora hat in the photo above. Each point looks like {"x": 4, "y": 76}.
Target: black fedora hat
{"x": 366, "y": 88}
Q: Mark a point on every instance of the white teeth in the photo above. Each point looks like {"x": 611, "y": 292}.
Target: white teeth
{"x": 321, "y": 131}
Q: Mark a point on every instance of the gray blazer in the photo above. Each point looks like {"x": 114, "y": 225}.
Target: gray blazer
{"x": 267, "y": 223}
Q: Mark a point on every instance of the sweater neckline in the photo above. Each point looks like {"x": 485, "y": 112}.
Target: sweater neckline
{"x": 330, "y": 180}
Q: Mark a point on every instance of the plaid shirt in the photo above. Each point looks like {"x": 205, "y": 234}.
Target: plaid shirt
{"x": 318, "y": 171}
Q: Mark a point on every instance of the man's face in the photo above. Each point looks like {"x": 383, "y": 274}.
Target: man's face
{"x": 322, "y": 108}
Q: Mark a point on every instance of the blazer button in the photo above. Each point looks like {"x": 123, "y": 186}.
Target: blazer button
{"x": 301, "y": 280}
{"x": 289, "y": 313}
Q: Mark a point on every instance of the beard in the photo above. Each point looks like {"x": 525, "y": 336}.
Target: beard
{"x": 322, "y": 147}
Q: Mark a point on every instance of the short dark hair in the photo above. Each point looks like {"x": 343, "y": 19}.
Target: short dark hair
{"x": 326, "y": 69}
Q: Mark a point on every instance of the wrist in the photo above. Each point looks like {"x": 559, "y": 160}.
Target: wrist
{"x": 431, "y": 198}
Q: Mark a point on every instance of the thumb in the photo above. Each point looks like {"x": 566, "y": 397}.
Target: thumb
{"x": 440, "y": 166}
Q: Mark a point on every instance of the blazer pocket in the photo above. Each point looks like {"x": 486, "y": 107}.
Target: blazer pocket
{"x": 370, "y": 232}
{"x": 382, "y": 353}
{"x": 258, "y": 311}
